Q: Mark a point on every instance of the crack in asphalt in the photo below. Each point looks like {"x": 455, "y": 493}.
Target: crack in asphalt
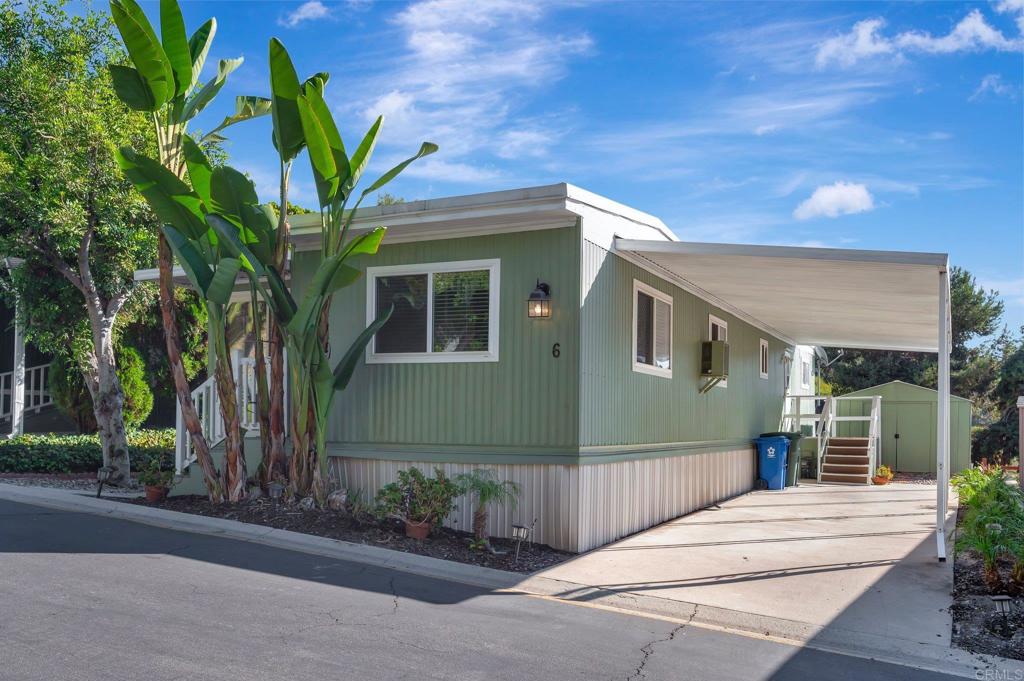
{"x": 648, "y": 649}
{"x": 394, "y": 594}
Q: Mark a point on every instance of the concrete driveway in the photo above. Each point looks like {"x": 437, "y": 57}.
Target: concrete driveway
{"x": 840, "y": 564}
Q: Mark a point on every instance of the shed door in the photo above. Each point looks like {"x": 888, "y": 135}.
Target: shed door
{"x": 914, "y": 450}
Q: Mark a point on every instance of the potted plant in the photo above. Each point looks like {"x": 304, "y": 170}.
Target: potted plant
{"x": 883, "y": 475}
{"x": 156, "y": 480}
{"x": 417, "y": 500}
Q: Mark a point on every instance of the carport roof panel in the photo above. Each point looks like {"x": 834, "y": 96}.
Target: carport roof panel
{"x": 884, "y": 300}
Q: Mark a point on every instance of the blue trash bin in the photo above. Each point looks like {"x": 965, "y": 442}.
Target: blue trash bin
{"x": 771, "y": 461}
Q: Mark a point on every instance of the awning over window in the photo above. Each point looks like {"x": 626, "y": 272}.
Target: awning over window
{"x": 883, "y": 300}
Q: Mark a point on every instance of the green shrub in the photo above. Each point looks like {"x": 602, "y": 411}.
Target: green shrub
{"x": 67, "y": 386}
{"x": 53, "y": 453}
{"x": 416, "y": 498}
{"x": 70, "y": 394}
{"x": 138, "y": 398}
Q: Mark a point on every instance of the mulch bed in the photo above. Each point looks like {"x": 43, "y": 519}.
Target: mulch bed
{"x": 914, "y": 478}
{"x": 977, "y": 626}
{"x": 442, "y": 543}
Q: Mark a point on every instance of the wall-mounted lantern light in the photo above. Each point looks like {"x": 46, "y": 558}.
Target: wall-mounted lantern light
{"x": 539, "y": 302}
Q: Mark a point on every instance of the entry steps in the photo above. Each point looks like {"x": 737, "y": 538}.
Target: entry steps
{"x": 847, "y": 461}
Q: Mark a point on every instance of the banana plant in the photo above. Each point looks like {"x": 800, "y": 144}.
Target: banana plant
{"x": 210, "y": 268}
{"x": 163, "y": 80}
{"x": 302, "y": 119}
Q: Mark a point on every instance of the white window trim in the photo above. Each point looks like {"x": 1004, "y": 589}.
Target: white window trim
{"x": 712, "y": 319}
{"x": 430, "y": 269}
{"x": 638, "y": 287}
{"x": 763, "y": 352}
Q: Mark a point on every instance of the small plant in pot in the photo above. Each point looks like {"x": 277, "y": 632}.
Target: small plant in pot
{"x": 156, "y": 480}
{"x": 417, "y": 500}
{"x": 883, "y": 474}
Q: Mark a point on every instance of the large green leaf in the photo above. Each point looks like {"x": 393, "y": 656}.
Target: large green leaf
{"x": 171, "y": 199}
{"x": 325, "y": 170}
{"x": 131, "y": 88}
{"x": 230, "y": 190}
{"x": 364, "y": 151}
{"x": 196, "y": 267}
{"x": 246, "y": 108}
{"x": 315, "y": 98}
{"x": 199, "y": 47}
{"x": 198, "y": 101}
{"x": 284, "y": 91}
{"x": 426, "y": 149}
{"x": 222, "y": 285}
{"x": 144, "y": 49}
{"x": 366, "y": 243}
{"x": 199, "y": 169}
{"x": 344, "y": 369}
{"x": 175, "y": 44}
{"x": 259, "y": 231}
{"x": 278, "y": 294}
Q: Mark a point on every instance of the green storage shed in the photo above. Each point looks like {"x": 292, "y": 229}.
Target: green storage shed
{"x": 909, "y": 414}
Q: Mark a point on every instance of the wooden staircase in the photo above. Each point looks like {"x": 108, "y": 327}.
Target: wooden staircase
{"x": 847, "y": 460}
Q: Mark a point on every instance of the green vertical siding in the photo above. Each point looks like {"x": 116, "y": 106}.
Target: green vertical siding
{"x": 526, "y": 400}
{"x": 621, "y": 407}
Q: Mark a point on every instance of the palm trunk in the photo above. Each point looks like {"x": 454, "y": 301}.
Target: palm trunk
{"x": 480, "y": 523}
{"x": 277, "y": 459}
{"x": 189, "y": 416}
{"x": 235, "y": 475}
{"x": 263, "y": 473}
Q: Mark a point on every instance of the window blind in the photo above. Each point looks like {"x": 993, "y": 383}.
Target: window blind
{"x": 406, "y": 330}
{"x": 461, "y": 311}
{"x": 644, "y": 328}
{"x": 662, "y": 334}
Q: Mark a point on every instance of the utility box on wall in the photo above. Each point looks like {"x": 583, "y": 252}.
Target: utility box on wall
{"x": 714, "y": 359}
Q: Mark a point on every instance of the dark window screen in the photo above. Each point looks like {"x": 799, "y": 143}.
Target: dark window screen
{"x": 644, "y": 328}
{"x": 406, "y": 331}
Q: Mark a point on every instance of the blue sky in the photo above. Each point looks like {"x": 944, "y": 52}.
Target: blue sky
{"x": 864, "y": 125}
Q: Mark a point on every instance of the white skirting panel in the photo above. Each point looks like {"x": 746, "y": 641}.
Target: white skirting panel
{"x": 619, "y": 499}
{"x": 547, "y": 494}
{"x": 578, "y": 508}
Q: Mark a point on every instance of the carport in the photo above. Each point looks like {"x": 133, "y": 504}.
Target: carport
{"x": 873, "y": 300}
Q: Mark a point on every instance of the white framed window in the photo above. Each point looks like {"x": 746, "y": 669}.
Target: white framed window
{"x": 718, "y": 329}
{"x": 763, "y": 357}
{"x": 805, "y": 373}
{"x": 444, "y": 312}
{"x": 652, "y": 331}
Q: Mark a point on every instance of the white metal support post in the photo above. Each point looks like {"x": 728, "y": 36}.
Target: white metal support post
{"x": 942, "y": 439}
{"x": 18, "y": 380}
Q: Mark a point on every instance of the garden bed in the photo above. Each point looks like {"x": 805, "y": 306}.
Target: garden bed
{"x": 362, "y": 528}
{"x": 977, "y": 626}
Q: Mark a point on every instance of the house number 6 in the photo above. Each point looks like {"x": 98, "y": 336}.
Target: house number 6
{"x": 556, "y": 349}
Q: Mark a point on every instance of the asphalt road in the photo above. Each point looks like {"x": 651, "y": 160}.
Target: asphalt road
{"x": 90, "y": 598}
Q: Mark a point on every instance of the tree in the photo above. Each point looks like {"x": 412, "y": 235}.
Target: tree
{"x": 164, "y": 82}
{"x": 974, "y": 365}
{"x": 72, "y": 397}
{"x": 65, "y": 209}
{"x": 1001, "y": 438}
{"x": 484, "y": 486}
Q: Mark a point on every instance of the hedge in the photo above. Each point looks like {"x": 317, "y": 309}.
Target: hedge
{"x": 59, "y": 453}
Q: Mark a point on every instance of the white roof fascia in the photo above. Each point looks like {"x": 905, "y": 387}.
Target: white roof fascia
{"x": 940, "y": 260}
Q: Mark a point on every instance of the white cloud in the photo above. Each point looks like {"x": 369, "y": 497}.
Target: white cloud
{"x": 865, "y": 40}
{"x": 833, "y": 200}
{"x": 992, "y": 83}
{"x": 1010, "y": 290}
{"x": 307, "y": 11}
{"x": 1013, "y": 7}
{"x": 762, "y": 130}
{"x": 861, "y": 42}
{"x": 464, "y": 77}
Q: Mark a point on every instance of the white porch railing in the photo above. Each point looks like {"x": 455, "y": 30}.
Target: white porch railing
{"x": 37, "y": 390}
{"x": 824, "y": 423}
{"x": 207, "y": 404}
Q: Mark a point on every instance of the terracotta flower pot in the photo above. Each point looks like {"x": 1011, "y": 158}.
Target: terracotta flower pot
{"x": 155, "y": 494}
{"x": 880, "y": 480}
{"x": 417, "y": 530}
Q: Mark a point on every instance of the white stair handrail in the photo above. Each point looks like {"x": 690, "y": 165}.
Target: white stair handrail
{"x": 207, "y": 404}
{"x": 37, "y": 390}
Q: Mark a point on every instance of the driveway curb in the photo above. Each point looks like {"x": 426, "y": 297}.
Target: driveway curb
{"x": 829, "y": 639}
